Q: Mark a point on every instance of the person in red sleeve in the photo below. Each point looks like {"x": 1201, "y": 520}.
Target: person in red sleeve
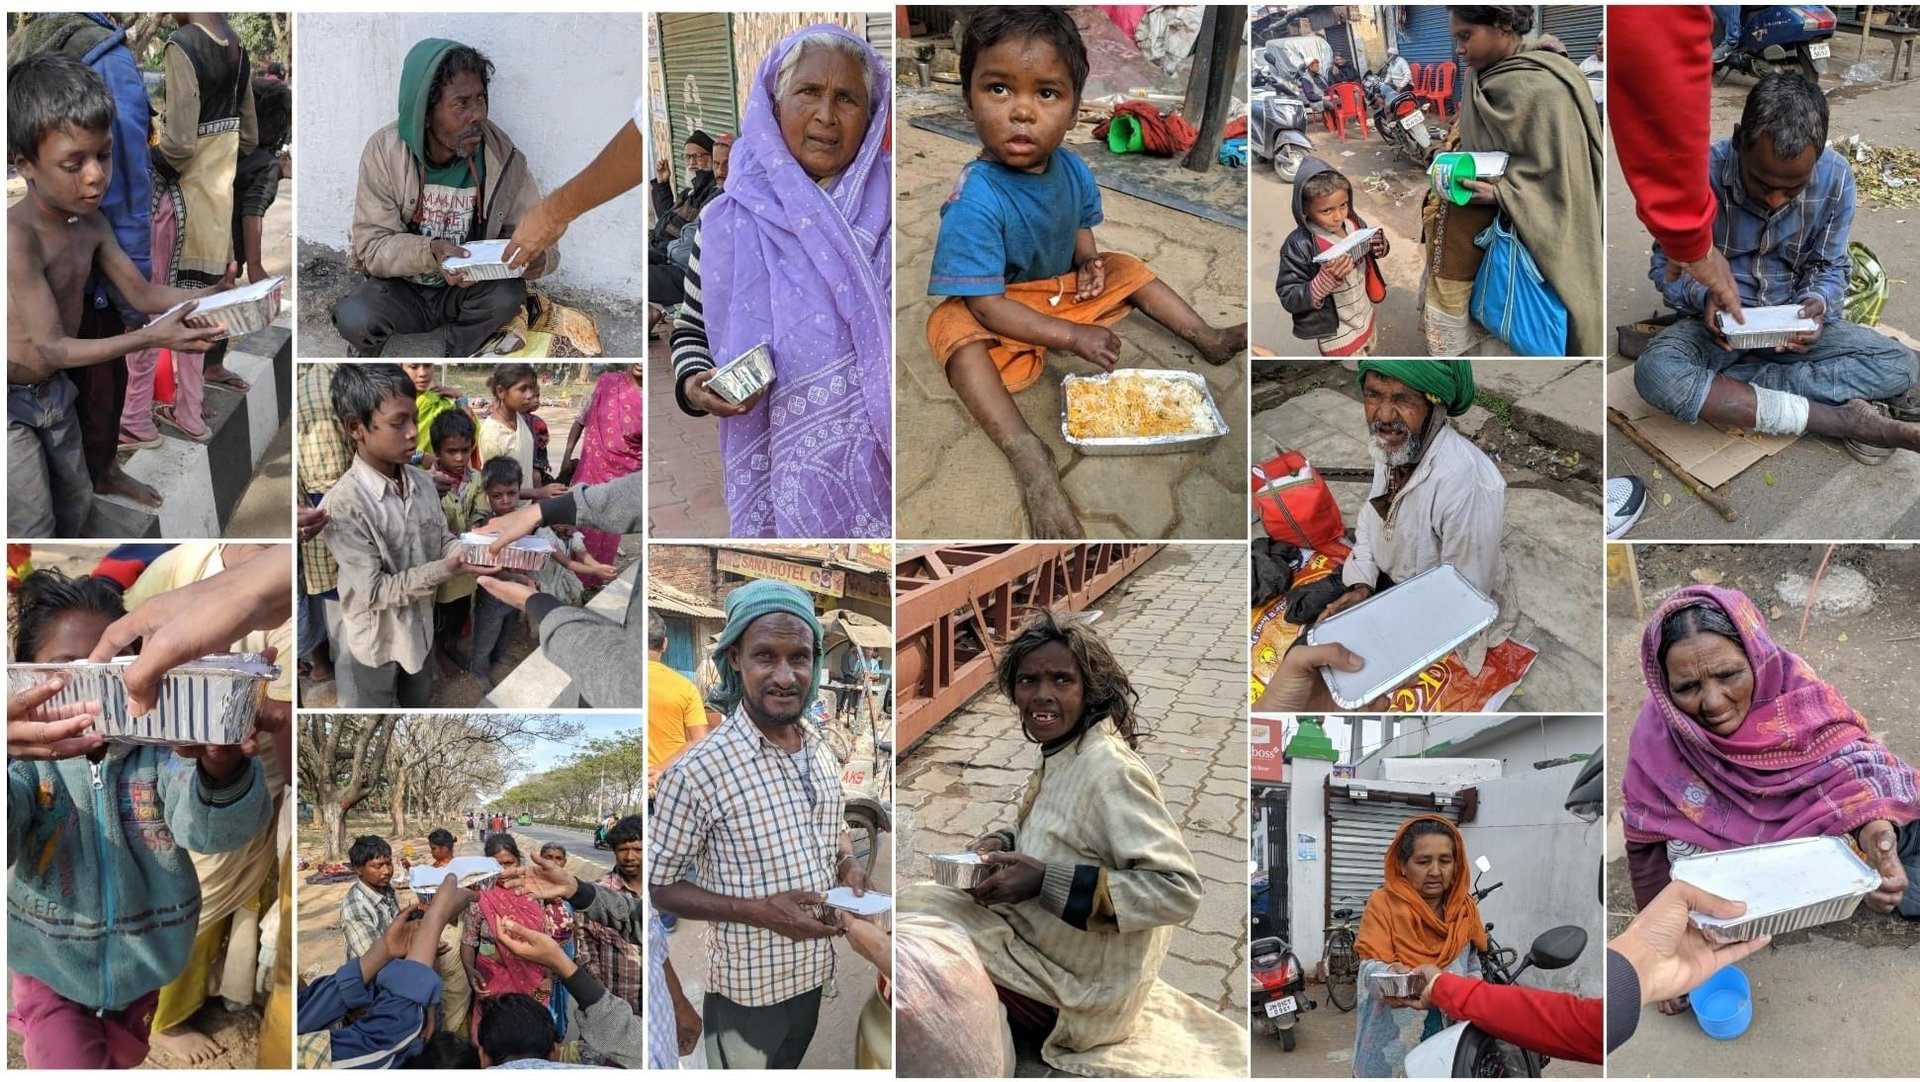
{"x": 1659, "y": 956}
{"x": 1660, "y": 115}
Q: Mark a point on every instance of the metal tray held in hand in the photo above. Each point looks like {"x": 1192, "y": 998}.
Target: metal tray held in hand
{"x": 962, "y": 870}
{"x": 1773, "y": 325}
{"x": 211, "y": 700}
{"x": 1402, "y": 630}
{"x": 1787, "y": 885}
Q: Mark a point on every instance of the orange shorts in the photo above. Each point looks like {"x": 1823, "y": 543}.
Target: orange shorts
{"x": 952, "y": 324}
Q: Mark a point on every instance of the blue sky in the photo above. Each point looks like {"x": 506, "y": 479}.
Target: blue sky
{"x": 550, "y": 753}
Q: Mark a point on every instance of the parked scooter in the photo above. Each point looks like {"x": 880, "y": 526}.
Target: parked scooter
{"x": 1781, "y": 38}
{"x": 1464, "y": 1050}
{"x": 1401, "y": 120}
{"x": 1278, "y": 987}
{"x": 1278, "y": 121}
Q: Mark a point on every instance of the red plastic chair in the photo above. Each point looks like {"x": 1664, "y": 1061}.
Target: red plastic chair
{"x": 1345, "y": 104}
{"x": 1416, "y": 71}
{"x": 1439, "y": 89}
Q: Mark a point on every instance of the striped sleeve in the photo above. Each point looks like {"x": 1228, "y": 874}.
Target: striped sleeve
{"x": 690, "y": 351}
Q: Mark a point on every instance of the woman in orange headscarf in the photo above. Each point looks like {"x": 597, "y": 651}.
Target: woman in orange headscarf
{"x": 1424, "y": 915}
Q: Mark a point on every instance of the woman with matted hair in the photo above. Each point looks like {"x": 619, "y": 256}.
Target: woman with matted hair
{"x": 1088, "y": 882}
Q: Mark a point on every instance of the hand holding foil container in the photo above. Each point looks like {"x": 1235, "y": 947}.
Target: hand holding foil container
{"x": 1774, "y": 325}
{"x": 526, "y": 554}
{"x": 240, "y": 311}
{"x": 1401, "y": 631}
{"x": 1397, "y": 985}
{"x": 486, "y": 260}
{"x": 1787, "y": 885}
{"x": 963, "y": 870}
{"x": 744, "y": 376}
{"x": 212, "y": 700}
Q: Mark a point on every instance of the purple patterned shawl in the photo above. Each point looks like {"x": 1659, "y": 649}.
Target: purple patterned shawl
{"x": 1802, "y": 764}
{"x": 808, "y": 270}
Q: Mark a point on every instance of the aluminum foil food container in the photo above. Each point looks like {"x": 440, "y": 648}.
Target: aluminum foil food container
{"x": 1209, "y": 425}
{"x": 1397, "y": 985}
{"x": 1401, "y": 631}
{"x": 1354, "y": 240}
{"x": 526, "y": 554}
{"x": 741, "y": 378}
{"x": 1787, "y": 885}
{"x": 1767, "y": 327}
{"x": 242, "y": 310}
{"x": 486, "y": 260}
{"x": 209, "y": 701}
{"x": 963, "y": 870}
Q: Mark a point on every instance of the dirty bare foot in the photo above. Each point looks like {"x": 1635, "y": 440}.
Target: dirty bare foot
{"x": 1049, "y": 512}
{"x": 186, "y": 1045}
{"x": 1221, "y": 344}
{"x": 1676, "y": 1005}
{"x": 118, "y": 483}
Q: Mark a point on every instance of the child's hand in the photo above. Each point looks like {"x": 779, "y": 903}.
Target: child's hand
{"x": 37, "y": 731}
{"x": 310, "y": 521}
{"x": 226, "y": 281}
{"x": 1096, "y": 344}
{"x": 1093, "y": 279}
{"x": 1340, "y": 266}
{"x": 221, "y": 762}
{"x": 172, "y": 331}
{"x": 1378, "y": 246}
{"x": 552, "y": 491}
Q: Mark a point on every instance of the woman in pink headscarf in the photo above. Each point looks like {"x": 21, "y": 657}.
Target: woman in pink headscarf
{"x": 1740, "y": 742}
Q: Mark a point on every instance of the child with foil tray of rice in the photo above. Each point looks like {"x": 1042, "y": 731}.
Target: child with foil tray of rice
{"x": 99, "y": 920}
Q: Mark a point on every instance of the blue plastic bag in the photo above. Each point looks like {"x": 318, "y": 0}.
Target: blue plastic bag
{"x": 1512, "y": 300}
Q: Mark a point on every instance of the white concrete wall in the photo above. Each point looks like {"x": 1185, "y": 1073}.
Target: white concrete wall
{"x": 1307, "y": 883}
{"x": 1550, "y": 863}
{"x": 562, "y": 86}
{"x": 1517, "y": 741}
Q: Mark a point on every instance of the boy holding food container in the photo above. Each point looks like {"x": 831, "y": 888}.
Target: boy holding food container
{"x": 388, "y": 531}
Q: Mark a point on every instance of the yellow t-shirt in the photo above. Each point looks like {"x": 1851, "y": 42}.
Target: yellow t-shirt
{"x": 673, "y": 704}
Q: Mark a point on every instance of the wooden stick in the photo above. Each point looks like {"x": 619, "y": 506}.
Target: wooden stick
{"x": 1692, "y": 483}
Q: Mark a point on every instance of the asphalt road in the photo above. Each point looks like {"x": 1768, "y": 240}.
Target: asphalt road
{"x": 578, "y": 844}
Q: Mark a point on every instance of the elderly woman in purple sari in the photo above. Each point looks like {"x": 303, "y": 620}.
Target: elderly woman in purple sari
{"x": 797, "y": 256}
{"x": 1741, "y": 743}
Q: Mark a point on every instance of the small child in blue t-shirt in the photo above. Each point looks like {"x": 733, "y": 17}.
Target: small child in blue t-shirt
{"x": 1016, "y": 258}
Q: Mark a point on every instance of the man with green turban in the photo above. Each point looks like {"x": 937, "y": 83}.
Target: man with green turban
{"x": 748, "y": 832}
{"x": 1436, "y": 498}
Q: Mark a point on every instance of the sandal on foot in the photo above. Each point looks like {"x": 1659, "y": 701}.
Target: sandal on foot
{"x": 163, "y": 414}
{"x": 131, "y": 442}
{"x": 1905, "y": 406}
{"x": 1867, "y": 454}
{"x": 231, "y": 382}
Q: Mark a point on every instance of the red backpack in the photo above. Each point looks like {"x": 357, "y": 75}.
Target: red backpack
{"x": 1296, "y": 506}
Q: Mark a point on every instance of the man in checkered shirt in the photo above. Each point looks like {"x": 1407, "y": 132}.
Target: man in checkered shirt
{"x": 749, "y": 834}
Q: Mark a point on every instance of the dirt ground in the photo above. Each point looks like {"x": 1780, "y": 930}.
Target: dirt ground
{"x": 1809, "y": 985}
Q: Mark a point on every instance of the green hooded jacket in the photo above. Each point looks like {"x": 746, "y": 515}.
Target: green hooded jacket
{"x": 392, "y": 176}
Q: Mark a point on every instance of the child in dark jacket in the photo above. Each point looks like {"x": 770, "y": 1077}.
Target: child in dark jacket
{"x": 1331, "y": 302}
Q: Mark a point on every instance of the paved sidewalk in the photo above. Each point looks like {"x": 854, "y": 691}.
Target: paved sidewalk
{"x": 952, "y": 482}
{"x": 1175, "y": 624}
{"x": 684, "y": 495}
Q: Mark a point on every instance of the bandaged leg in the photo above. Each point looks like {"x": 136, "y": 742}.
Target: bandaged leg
{"x": 1779, "y": 413}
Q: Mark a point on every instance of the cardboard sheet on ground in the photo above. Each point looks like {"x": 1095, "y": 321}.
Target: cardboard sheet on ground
{"x": 1709, "y": 453}
{"x": 1444, "y": 686}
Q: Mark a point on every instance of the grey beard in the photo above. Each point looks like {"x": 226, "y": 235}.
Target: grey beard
{"x": 1407, "y": 454}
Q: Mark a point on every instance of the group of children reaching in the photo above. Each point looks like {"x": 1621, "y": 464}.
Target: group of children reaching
{"x": 394, "y": 520}
{"x": 465, "y": 978}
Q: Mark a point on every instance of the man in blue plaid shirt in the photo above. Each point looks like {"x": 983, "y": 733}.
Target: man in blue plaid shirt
{"x": 1786, "y": 209}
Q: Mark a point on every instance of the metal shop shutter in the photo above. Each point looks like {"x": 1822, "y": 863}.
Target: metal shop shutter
{"x": 1359, "y": 832}
{"x": 1428, "y": 39}
{"x": 696, "y": 67}
{"x": 1576, "y": 25}
{"x": 880, "y": 33}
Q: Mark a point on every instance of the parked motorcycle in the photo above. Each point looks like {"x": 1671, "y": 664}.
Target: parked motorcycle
{"x": 1464, "y": 1050}
{"x": 1278, "y": 987}
{"x": 1781, "y": 38}
{"x": 1278, "y": 121}
{"x": 1401, "y": 120}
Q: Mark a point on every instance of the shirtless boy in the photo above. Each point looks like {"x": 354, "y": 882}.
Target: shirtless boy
{"x": 59, "y": 134}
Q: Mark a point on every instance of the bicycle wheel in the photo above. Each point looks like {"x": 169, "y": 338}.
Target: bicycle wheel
{"x": 1343, "y": 969}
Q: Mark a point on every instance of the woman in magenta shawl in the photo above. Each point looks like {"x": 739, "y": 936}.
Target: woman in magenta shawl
{"x": 1740, "y": 743}
{"x": 797, "y": 255}
{"x": 493, "y": 971}
{"x": 613, "y": 425}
